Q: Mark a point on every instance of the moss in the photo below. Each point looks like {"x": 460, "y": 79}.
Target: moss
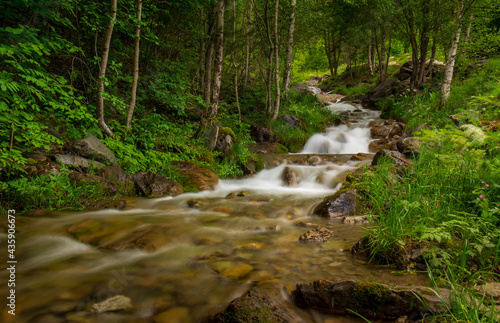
{"x": 229, "y": 131}
{"x": 368, "y": 297}
{"x": 248, "y": 315}
{"x": 281, "y": 149}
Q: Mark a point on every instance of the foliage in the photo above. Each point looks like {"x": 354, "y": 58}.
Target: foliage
{"x": 447, "y": 203}
{"x": 31, "y": 96}
{"x": 51, "y": 191}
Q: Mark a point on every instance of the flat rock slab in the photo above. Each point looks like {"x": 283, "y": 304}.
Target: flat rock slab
{"x": 91, "y": 147}
{"x": 370, "y": 300}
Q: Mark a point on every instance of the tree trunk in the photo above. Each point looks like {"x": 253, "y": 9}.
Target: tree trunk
{"x": 388, "y": 55}
{"x": 212, "y": 129}
{"x": 208, "y": 61}
{"x": 276, "y": 108}
{"x": 234, "y": 63}
{"x": 247, "y": 45}
{"x": 289, "y": 51}
{"x": 452, "y": 53}
{"x": 102, "y": 71}
{"x": 136, "y": 65}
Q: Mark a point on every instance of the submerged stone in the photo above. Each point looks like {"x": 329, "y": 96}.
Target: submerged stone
{"x": 116, "y": 303}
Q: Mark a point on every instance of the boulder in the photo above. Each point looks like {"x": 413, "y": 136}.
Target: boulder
{"x": 225, "y": 140}
{"x": 289, "y": 176}
{"x": 338, "y": 205}
{"x": 92, "y": 148}
{"x": 409, "y": 146}
{"x": 76, "y": 161}
{"x": 115, "y": 303}
{"x": 259, "y": 304}
{"x": 291, "y": 120}
{"x": 396, "y": 157}
{"x": 318, "y": 234}
{"x": 197, "y": 178}
{"x": 370, "y": 300}
{"x": 151, "y": 184}
{"x": 387, "y": 129}
{"x": 262, "y": 134}
{"x": 381, "y": 91}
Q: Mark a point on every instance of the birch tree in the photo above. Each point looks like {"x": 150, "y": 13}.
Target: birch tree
{"x": 102, "y": 71}
{"x": 136, "y": 65}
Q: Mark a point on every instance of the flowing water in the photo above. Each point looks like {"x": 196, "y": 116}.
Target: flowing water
{"x": 208, "y": 255}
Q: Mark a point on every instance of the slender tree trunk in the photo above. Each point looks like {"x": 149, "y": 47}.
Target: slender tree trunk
{"x": 201, "y": 65}
{"x": 247, "y": 45}
{"x": 452, "y": 53}
{"x": 234, "y": 63}
{"x": 289, "y": 51}
{"x": 328, "y": 51}
{"x": 370, "y": 61}
{"x": 136, "y": 65}
{"x": 102, "y": 71}
{"x": 212, "y": 130}
{"x": 388, "y": 55}
{"x": 208, "y": 61}
{"x": 277, "y": 65}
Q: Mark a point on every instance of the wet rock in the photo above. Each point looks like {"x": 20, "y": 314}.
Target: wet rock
{"x": 361, "y": 157}
{"x": 314, "y": 161}
{"x": 222, "y": 209}
{"x": 408, "y": 146}
{"x": 174, "y": 315}
{"x": 116, "y": 303}
{"x": 370, "y": 300}
{"x": 239, "y": 194}
{"x": 194, "y": 204}
{"x": 396, "y": 157}
{"x": 261, "y": 133}
{"x": 153, "y": 185}
{"x": 91, "y": 147}
{"x": 76, "y": 161}
{"x": 341, "y": 121}
{"x": 381, "y": 144}
{"x": 197, "y": 178}
{"x": 289, "y": 176}
{"x": 259, "y": 305}
{"x": 319, "y": 234}
{"x": 337, "y": 205}
{"x": 291, "y": 120}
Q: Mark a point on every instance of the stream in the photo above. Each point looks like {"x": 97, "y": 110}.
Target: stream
{"x": 209, "y": 254}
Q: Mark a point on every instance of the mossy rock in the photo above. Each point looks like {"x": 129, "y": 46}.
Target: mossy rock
{"x": 281, "y": 149}
{"x": 227, "y": 131}
{"x": 369, "y": 297}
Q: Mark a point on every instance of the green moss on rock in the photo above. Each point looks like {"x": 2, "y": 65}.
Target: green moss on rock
{"x": 368, "y": 297}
